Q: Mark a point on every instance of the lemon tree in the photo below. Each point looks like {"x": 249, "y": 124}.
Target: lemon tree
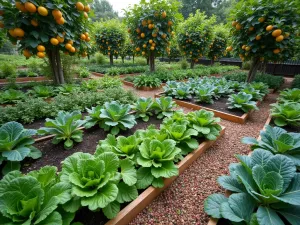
{"x": 195, "y": 35}
{"x": 150, "y": 26}
{"x": 263, "y": 31}
{"x": 110, "y": 37}
{"x": 217, "y": 47}
{"x": 44, "y": 28}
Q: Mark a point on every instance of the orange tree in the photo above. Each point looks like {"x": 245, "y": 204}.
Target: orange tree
{"x": 150, "y": 25}
{"x": 218, "y": 45}
{"x": 195, "y": 35}
{"x": 110, "y": 36}
{"x": 174, "y": 51}
{"x": 127, "y": 50}
{"x": 264, "y": 30}
{"x": 46, "y": 27}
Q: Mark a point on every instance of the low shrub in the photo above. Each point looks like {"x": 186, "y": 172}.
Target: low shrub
{"x": 146, "y": 81}
{"x": 84, "y": 72}
{"x": 184, "y": 64}
{"x": 100, "y": 59}
{"x": 8, "y": 70}
{"x": 296, "y": 82}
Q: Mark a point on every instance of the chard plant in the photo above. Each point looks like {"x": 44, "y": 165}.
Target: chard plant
{"x": 143, "y": 108}
{"x": 287, "y": 113}
{"x": 277, "y": 141}
{"x": 100, "y": 182}
{"x": 116, "y": 117}
{"x": 164, "y": 107}
{"x": 265, "y": 190}
{"x": 16, "y": 143}
{"x": 241, "y": 101}
{"x": 65, "y": 127}
{"x": 290, "y": 95}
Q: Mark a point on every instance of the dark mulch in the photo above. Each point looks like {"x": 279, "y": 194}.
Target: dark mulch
{"x": 53, "y": 155}
{"x": 294, "y": 129}
{"x": 219, "y": 105}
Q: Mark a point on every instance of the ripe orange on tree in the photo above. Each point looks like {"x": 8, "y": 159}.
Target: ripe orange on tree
{"x": 34, "y": 23}
{"x": 279, "y": 38}
{"x": 26, "y": 53}
{"x": 41, "y": 48}
{"x": 79, "y": 6}
{"x": 54, "y": 41}
{"x": 30, "y": 7}
{"x": 42, "y": 11}
{"x": 19, "y": 32}
{"x": 276, "y": 33}
{"x": 57, "y": 14}
{"x": 60, "y": 21}
{"x": 269, "y": 28}
{"x": 41, "y": 54}
{"x": 87, "y": 8}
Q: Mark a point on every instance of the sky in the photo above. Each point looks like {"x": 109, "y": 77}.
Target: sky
{"x": 118, "y": 5}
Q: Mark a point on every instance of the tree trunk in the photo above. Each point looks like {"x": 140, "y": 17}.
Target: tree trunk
{"x": 169, "y": 60}
{"x": 192, "y": 64}
{"x": 147, "y": 61}
{"x": 212, "y": 62}
{"x": 111, "y": 59}
{"x": 56, "y": 67}
{"x": 152, "y": 61}
{"x": 123, "y": 59}
{"x": 133, "y": 59}
{"x": 255, "y": 64}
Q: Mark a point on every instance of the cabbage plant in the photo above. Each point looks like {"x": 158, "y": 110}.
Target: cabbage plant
{"x": 182, "y": 91}
{"x": 256, "y": 95}
{"x": 116, "y": 117}
{"x": 290, "y": 95}
{"x": 11, "y": 96}
{"x": 277, "y": 141}
{"x": 204, "y": 94}
{"x": 65, "y": 127}
{"x": 15, "y": 145}
{"x": 42, "y": 91}
{"x": 156, "y": 159}
{"x": 34, "y": 198}
{"x": 143, "y": 108}
{"x": 98, "y": 183}
{"x": 67, "y": 89}
{"x": 261, "y": 87}
{"x": 287, "y": 113}
{"x": 93, "y": 117}
{"x": 241, "y": 101}
{"x": 265, "y": 190}
{"x": 164, "y": 107}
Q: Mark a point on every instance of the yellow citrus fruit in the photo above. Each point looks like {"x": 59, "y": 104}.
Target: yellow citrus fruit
{"x": 150, "y": 26}
{"x": 137, "y": 49}
{"x": 21, "y": 7}
{"x": 238, "y": 26}
{"x": 234, "y": 23}
{"x": 42, "y": 11}
{"x": 152, "y": 48}
{"x": 85, "y": 15}
{"x": 276, "y": 33}
{"x": 150, "y": 41}
{"x": 12, "y": 32}
{"x": 82, "y": 37}
{"x": 144, "y": 23}
{"x": 60, "y": 21}
{"x": 247, "y": 48}
{"x": 86, "y": 34}
{"x": 276, "y": 51}
{"x": 88, "y": 39}
{"x": 60, "y": 39}
{"x": 68, "y": 46}
{"x": 72, "y": 49}
{"x": 138, "y": 30}
{"x": 30, "y": 7}
{"x": 143, "y": 53}
{"x": 153, "y": 44}
{"x": 87, "y": 8}
{"x": 269, "y": 28}
{"x": 41, "y": 54}
{"x": 142, "y": 35}
{"x": 70, "y": 42}
{"x": 261, "y": 19}
{"x": 54, "y": 41}
{"x": 163, "y": 14}
{"x": 164, "y": 36}
{"x": 26, "y": 53}
{"x": 79, "y": 6}
{"x": 19, "y": 32}
{"x": 144, "y": 46}
{"x": 258, "y": 37}
{"x": 56, "y": 14}
{"x": 149, "y": 21}
{"x": 230, "y": 48}
{"x": 279, "y": 38}
{"x": 244, "y": 46}
{"x": 41, "y": 48}
{"x": 34, "y": 23}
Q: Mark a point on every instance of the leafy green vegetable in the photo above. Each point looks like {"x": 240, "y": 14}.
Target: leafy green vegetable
{"x": 261, "y": 87}
{"x": 164, "y": 107}
{"x": 65, "y": 127}
{"x": 290, "y": 95}
{"x": 204, "y": 94}
{"x": 143, "y": 108}
{"x": 146, "y": 81}
{"x": 34, "y": 198}
{"x": 116, "y": 116}
{"x": 67, "y": 89}
{"x": 277, "y": 141}
{"x": 11, "y": 96}
{"x": 42, "y": 91}
{"x": 16, "y": 144}
{"x": 256, "y": 95}
{"x": 182, "y": 91}
{"x": 264, "y": 186}
{"x": 241, "y": 101}
{"x": 93, "y": 117}
{"x": 286, "y": 113}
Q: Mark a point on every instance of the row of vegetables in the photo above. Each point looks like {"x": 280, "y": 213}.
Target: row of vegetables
{"x": 113, "y": 175}
{"x": 242, "y": 96}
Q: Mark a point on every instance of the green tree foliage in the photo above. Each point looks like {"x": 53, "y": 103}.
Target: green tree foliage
{"x": 194, "y": 35}
{"x": 103, "y": 10}
{"x": 127, "y": 50}
{"x": 150, "y": 25}
{"x": 264, "y": 30}
{"x": 110, "y": 36}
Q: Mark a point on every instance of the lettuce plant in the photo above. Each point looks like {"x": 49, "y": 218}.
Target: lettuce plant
{"x": 65, "y": 127}
{"x": 277, "y": 141}
{"x": 156, "y": 159}
{"x": 204, "y": 94}
{"x": 42, "y": 91}
{"x": 116, "y": 117}
{"x": 205, "y": 124}
{"x": 287, "y": 113}
{"x": 241, "y": 101}
{"x": 98, "y": 183}
{"x": 265, "y": 190}
{"x": 11, "y": 96}
{"x": 34, "y": 198}
{"x": 164, "y": 107}
{"x": 143, "y": 108}
{"x": 93, "y": 117}
{"x": 290, "y": 95}
{"x": 16, "y": 144}
{"x": 151, "y": 133}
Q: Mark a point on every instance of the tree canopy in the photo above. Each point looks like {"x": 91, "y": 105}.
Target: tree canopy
{"x": 103, "y": 10}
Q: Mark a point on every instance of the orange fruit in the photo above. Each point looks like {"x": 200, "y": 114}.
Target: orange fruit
{"x": 238, "y": 26}
{"x": 138, "y": 30}
{"x": 41, "y": 54}
{"x": 19, "y": 32}
{"x": 170, "y": 23}
{"x": 68, "y": 46}
{"x": 144, "y": 23}
{"x": 79, "y": 6}
{"x": 279, "y": 38}
{"x": 87, "y": 8}
{"x": 70, "y": 42}
{"x": 41, "y": 48}
{"x": 12, "y": 32}
{"x": 276, "y": 51}
{"x": 60, "y": 39}
{"x": 87, "y": 39}
{"x": 251, "y": 28}
{"x": 144, "y": 46}
{"x": 34, "y": 23}
{"x": 26, "y": 53}
{"x": 152, "y": 48}
{"x": 149, "y": 21}
{"x": 153, "y": 44}
{"x": 261, "y": 19}
{"x": 137, "y": 49}
{"x": 258, "y": 37}
{"x": 150, "y": 26}
{"x": 86, "y": 34}
{"x": 21, "y": 7}
{"x": 234, "y": 23}
{"x": 164, "y": 36}
{"x": 150, "y": 41}
{"x": 269, "y": 28}
{"x": 56, "y": 14}
{"x": 82, "y": 37}
{"x": 143, "y": 53}
{"x": 60, "y": 21}
{"x": 42, "y": 11}
{"x": 164, "y": 14}
{"x": 244, "y": 46}
{"x": 276, "y": 33}
{"x": 142, "y": 35}
{"x": 230, "y": 48}
{"x": 1, "y": 24}
{"x": 154, "y": 35}
{"x": 30, "y": 7}
{"x": 247, "y": 48}
{"x": 54, "y": 41}
{"x": 85, "y": 15}
{"x": 72, "y": 49}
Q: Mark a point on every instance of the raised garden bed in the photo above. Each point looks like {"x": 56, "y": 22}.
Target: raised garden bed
{"x": 219, "y": 108}
{"x": 25, "y": 79}
{"x": 293, "y": 129}
{"x": 122, "y": 75}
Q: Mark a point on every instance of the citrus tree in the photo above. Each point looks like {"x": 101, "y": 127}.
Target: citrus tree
{"x": 195, "y": 35}
{"x": 45, "y": 27}
{"x": 263, "y": 31}
{"x": 110, "y": 36}
{"x": 218, "y": 45}
{"x": 150, "y": 25}
{"x": 174, "y": 51}
{"x": 127, "y": 50}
